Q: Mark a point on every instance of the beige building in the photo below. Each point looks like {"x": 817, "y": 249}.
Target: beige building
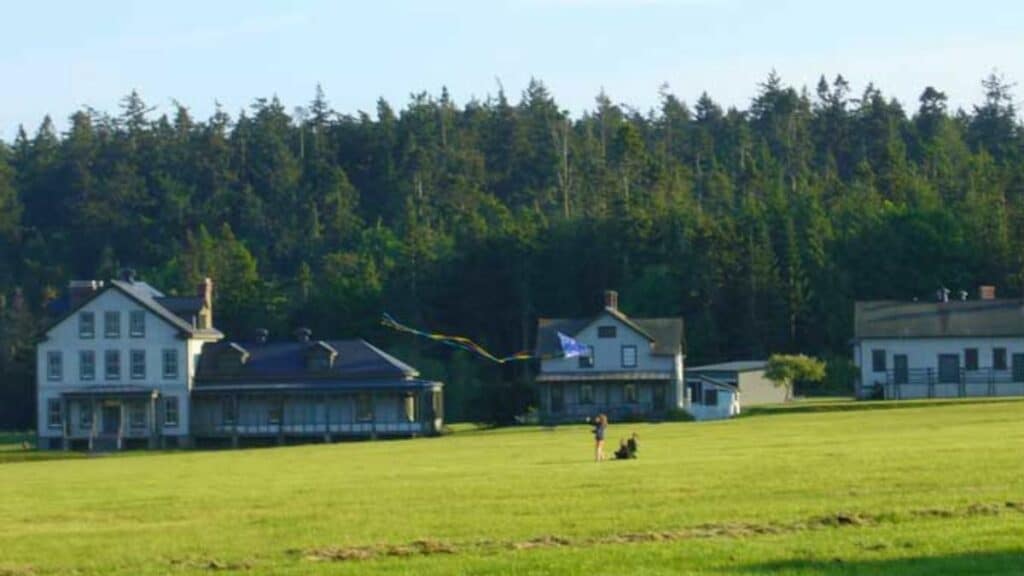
{"x": 747, "y": 376}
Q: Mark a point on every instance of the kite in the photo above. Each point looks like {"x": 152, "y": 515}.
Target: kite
{"x": 570, "y": 347}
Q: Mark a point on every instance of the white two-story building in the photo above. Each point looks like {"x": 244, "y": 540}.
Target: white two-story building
{"x": 940, "y": 349}
{"x": 115, "y": 369}
{"x": 634, "y": 368}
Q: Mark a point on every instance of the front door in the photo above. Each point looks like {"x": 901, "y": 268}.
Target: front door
{"x": 111, "y": 420}
{"x": 949, "y": 368}
{"x": 557, "y": 399}
{"x": 659, "y": 396}
{"x": 899, "y": 365}
{"x": 1018, "y": 367}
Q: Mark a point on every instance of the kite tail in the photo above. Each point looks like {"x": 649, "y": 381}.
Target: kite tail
{"x": 459, "y": 342}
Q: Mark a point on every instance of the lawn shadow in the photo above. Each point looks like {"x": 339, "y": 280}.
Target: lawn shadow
{"x": 974, "y": 563}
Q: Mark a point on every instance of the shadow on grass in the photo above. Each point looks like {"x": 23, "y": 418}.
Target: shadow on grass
{"x": 806, "y": 407}
{"x": 975, "y": 563}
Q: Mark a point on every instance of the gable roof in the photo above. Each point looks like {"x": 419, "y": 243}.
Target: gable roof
{"x": 970, "y": 318}
{"x": 665, "y": 334}
{"x": 286, "y": 361}
{"x": 153, "y": 300}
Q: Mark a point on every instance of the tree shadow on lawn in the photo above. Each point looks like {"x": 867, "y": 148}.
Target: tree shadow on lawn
{"x": 973, "y": 563}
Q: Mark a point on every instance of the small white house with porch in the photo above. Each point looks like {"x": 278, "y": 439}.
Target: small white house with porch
{"x": 940, "y": 349}
{"x": 115, "y": 369}
{"x": 633, "y": 369}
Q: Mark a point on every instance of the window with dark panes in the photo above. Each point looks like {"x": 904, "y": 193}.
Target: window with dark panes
{"x": 878, "y": 360}
{"x": 86, "y": 325}
{"x": 137, "y": 323}
{"x": 999, "y": 358}
{"x": 112, "y": 324}
{"x": 970, "y": 358}
{"x": 606, "y": 331}
{"x": 587, "y": 360}
{"x": 629, "y": 356}
{"x": 54, "y": 415}
{"x": 711, "y": 397}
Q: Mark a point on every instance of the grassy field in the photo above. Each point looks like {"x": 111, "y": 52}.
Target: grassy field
{"x": 923, "y": 490}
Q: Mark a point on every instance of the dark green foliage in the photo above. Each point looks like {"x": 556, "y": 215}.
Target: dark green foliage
{"x": 759, "y": 226}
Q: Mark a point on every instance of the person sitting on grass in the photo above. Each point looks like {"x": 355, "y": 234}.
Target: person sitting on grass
{"x": 623, "y": 452}
{"x": 627, "y": 448}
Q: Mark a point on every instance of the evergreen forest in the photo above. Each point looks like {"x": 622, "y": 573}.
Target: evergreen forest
{"x": 760, "y": 226}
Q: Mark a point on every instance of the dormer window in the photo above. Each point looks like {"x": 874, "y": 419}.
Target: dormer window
{"x": 320, "y": 357}
{"x": 231, "y": 359}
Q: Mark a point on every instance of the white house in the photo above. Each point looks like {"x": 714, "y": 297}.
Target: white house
{"x": 634, "y": 368}
{"x": 939, "y": 349}
{"x": 116, "y": 369}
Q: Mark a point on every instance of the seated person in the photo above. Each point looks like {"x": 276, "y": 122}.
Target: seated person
{"x": 631, "y": 446}
{"x": 623, "y": 452}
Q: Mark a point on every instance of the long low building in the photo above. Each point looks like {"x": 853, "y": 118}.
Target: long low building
{"x": 327, "y": 390}
{"x": 940, "y": 349}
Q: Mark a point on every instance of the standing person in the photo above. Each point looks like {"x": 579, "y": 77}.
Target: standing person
{"x": 600, "y": 427}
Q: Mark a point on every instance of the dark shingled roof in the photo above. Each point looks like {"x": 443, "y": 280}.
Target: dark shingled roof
{"x": 665, "y": 333}
{"x": 177, "y": 311}
{"x": 986, "y": 318}
{"x": 283, "y": 362}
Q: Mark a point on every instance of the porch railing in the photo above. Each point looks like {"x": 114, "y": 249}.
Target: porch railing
{"x": 933, "y": 383}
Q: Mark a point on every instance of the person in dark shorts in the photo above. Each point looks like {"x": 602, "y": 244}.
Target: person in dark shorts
{"x": 600, "y": 427}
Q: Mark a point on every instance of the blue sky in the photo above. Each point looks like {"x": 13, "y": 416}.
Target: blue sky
{"x": 56, "y": 57}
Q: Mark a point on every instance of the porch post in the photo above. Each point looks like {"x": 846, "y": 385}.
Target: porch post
{"x": 327, "y": 417}
{"x": 92, "y": 423}
{"x": 373, "y": 413}
{"x": 65, "y": 418}
{"x": 152, "y": 421}
{"x": 280, "y": 421}
{"x": 120, "y": 425}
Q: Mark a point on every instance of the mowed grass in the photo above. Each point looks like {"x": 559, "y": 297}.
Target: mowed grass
{"x": 921, "y": 490}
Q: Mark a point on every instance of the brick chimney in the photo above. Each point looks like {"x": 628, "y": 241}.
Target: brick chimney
{"x": 611, "y": 299}
{"x": 205, "y": 292}
{"x": 81, "y": 290}
{"x": 986, "y": 292}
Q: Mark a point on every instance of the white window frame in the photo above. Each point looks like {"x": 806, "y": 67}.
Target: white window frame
{"x": 112, "y": 324}
{"x": 54, "y": 366}
{"x": 166, "y": 366}
{"x": 107, "y": 355}
{"x": 137, "y": 409}
{"x": 54, "y": 413}
{"x": 586, "y": 361}
{"x": 90, "y": 333}
{"x": 82, "y": 373}
{"x": 85, "y": 416}
{"x": 631, "y": 347}
{"x": 132, "y": 356}
{"x": 137, "y": 317}
{"x": 171, "y": 407}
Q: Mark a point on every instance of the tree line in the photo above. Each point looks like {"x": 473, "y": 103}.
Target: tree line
{"x": 760, "y": 226}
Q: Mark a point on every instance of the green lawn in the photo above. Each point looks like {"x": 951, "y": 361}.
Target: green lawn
{"x": 922, "y": 490}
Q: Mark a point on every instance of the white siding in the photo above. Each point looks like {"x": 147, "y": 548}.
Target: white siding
{"x": 608, "y": 351}
{"x": 159, "y": 335}
{"x": 923, "y": 353}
